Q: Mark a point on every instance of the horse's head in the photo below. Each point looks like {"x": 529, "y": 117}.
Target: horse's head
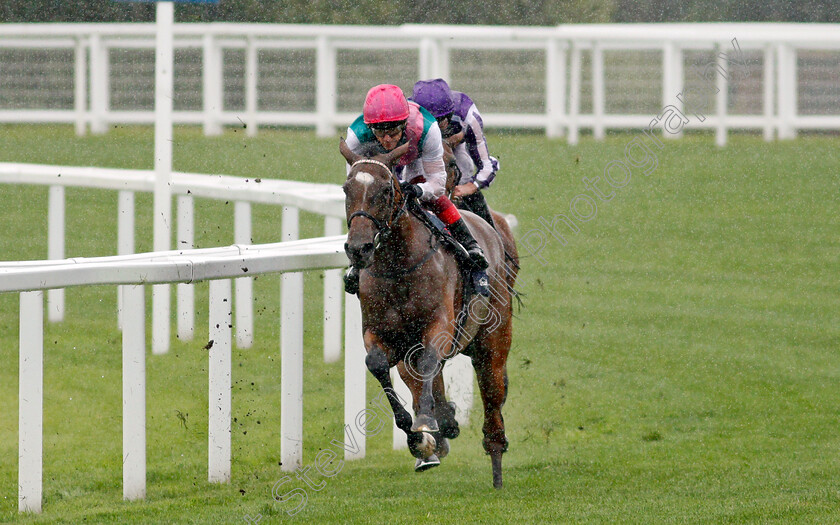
{"x": 373, "y": 198}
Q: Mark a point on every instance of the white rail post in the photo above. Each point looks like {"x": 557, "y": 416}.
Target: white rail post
{"x": 55, "y": 250}
{"x": 213, "y": 84}
{"x": 429, "y": 58}
{"x": 218, "y": 453}
{"x": 783, "y": 90}
{"x": 252, "y": 77}
{"x": 399, "y": 441}
{"x": 326, "y": 92}
{"x": 163, "y": 169}
{"x": 99, "y": 85}
{"x": 80, "y": 87}
{"x": 291, "y": 373}
{"x": 598, "y": 130}
{"x": 722, "y": 96}
{"x": 574, "y": 93}
{"x": 555, "y": 87}
{"x": 769, "y": 79}
{"x": 333, "y": 299}
{"x": 134, "y": 392}
{"x": 793, "y": 101}
{"x": 244, "y": 285}
{"x": 186, "y": 291}
{"x": 125, "y": 237}
{"x": 31, "y": 402}
{"x": 443, "y": 62}
{"x": 787, "y": 90}
{"x": 672, "y": 79}
{"x": 458, "y": 378}
{"x": 354, "y": 374}
{"x": 291, "y": 355}
{"x": 291, "y": 224}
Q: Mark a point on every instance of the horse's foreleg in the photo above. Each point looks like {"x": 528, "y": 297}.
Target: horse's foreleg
{"x": 424, "y": 364}
{"x": 377, "y": 363}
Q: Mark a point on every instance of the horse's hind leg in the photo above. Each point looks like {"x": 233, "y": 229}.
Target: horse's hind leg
{"x": 444, "y": 410}
{"x": 491, "y": 371}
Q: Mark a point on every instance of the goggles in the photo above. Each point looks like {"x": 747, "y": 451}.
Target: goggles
{"x": 391, "y": 131}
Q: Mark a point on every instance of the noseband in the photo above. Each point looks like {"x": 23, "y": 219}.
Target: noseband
{"x": 383, "y": 230}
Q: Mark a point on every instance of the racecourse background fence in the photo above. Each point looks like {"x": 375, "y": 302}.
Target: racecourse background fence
{"x": 561, "y": 79}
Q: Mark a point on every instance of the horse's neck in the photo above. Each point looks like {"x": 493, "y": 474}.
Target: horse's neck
{"x": 409, "y": 240}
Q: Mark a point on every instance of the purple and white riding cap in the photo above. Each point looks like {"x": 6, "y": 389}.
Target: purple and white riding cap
{"x": 435, "y": 96}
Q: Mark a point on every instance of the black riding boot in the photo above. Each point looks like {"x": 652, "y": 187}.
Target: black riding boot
{"x": 462, "y": 234}
{"x": 477, "y": 204}
{"x": 351, "y": 281}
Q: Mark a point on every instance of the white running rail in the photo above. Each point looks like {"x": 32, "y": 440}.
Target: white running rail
{"x": 130, "y": 272}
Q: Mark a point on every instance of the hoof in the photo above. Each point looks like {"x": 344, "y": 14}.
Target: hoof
{"x": 425, "y": 464}
{"x": 442, "y": 448}
{"x": 423, "y": 448}
{"x": 425, "y": 424}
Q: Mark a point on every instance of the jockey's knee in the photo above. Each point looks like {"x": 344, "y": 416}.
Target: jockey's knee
{"x": 445, "y": 210}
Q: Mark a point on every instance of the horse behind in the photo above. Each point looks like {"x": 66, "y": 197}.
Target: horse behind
{"x": 413, "y": 310}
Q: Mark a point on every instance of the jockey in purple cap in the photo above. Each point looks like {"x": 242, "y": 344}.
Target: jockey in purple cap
{"x": 389, "y": 120}
{"x": 461, "y": 124}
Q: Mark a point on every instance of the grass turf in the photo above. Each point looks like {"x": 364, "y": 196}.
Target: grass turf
{"x": 675, "y": 361}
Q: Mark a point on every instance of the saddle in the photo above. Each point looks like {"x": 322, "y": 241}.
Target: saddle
{"x": 471, "y": 278}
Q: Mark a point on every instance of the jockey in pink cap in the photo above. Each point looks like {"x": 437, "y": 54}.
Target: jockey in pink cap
{"x": 389, "y": 120}
{"x": 461, "y": 124}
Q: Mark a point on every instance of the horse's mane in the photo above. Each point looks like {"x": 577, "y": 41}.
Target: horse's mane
{"x": 371, "y": 149}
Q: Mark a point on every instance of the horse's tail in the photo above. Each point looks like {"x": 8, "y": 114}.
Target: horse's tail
{"x": 509, "y": 245}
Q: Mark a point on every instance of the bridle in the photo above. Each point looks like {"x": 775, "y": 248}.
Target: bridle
{"x": 383, "y": 230}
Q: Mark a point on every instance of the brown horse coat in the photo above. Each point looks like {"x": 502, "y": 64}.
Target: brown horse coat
{"x": 411, "y": 293}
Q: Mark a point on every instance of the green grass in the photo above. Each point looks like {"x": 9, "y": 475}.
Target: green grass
{"x": 676, "y": 361}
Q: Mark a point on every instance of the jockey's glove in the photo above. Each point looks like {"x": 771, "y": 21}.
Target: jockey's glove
{"x": 411, "y": 190}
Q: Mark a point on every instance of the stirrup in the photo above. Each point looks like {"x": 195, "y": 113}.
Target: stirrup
{"x": 351, "y": 281}
{"x": 481, "y": 284}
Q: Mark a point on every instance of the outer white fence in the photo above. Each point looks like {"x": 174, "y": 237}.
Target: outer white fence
{"x": 219, "y": 265}
{"x": 323, "y": 199}
{"x": 132, "y": 272}
{"x": 561, "y": 79}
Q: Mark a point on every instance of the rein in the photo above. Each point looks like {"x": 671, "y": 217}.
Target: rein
{"x": 385, "y": 229}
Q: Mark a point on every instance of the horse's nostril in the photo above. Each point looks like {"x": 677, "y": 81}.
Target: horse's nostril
{"x": 359, "y": 251}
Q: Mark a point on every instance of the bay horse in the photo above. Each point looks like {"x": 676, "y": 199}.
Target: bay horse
{"x": 414, "y": 315}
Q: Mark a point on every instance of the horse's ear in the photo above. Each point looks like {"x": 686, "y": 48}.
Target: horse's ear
{"x": 394, "y": 155}
{"x": 347, "y": 153}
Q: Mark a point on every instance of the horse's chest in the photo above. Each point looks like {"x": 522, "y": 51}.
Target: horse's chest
{"x": 404, "y": 312}
{"x": 398, "y": 313}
